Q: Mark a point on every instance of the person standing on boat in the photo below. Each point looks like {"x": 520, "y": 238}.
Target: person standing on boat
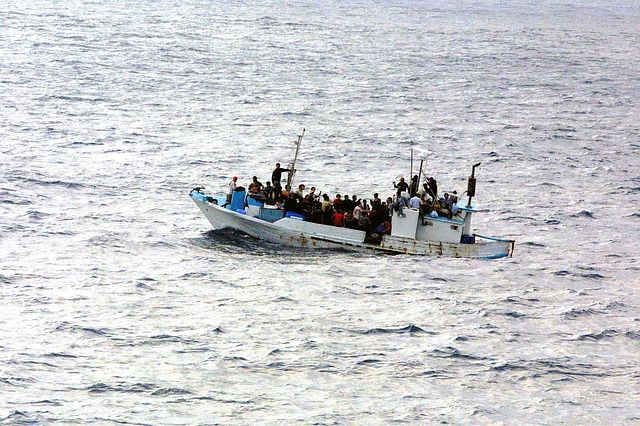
{"x": 232, "y": 187}
{"x": 376, "y": 203}
{"x": 414, "y": 186}
{"x": 357, "y": 211}
{"x": 401, "y": 186}
{"x": 269, "y": 194}
{"x": 415, "y": 201}
{"x": 276, "y": 176}
{"x": 433, "y": 188}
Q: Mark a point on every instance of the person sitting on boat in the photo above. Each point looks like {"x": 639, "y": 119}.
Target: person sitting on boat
{"x": 452, "y": 204}
{"x": 425, "y": 204}
{"x": 357, "y": 211}
{"x": 277, "y": 193}
{"x": 414, "y": 202}
{"x": 346, "y": 205}
{"x": 276, "y": 176}
{"x": 327, "y": 215}
{"x": 401, "y": 201}
{"x": 316, "y": 209}
{"x": 269, "y": 194}
{"x": 255, "y": 186}
{"x": 375, "y": 215}
{"x": 425, "y": 190}
{"x": 300, "y": 191}
{"x": 312, "y": 192}
{"x": 365, "y": 222}
{"x": 338, "y": 217}
{"x": 384, "y": 228}
{"x": 232, "y": 186}
{"x": 376, "y": 203}
{"x": 337, "y": 202}
{"x": 291, "y": 203}
{"x": 443, "y": 206}
{"x": 326, "y": 202}
{"x": 401, "y": 186}
{"x": 349, "y": 221}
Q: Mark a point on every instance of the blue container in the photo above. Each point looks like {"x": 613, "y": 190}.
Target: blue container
{"x": 271, "y": 215}
{"x": 293, "y": 215}
{"x": 468, "y": 239}
{"x": 253, "y": 202}
{"x": 237, "y": 200}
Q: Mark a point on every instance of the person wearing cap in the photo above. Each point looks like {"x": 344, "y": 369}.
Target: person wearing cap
{"x": 232, "y": 186}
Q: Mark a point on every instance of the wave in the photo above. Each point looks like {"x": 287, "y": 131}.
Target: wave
{"x": 171, "y": 391}
{"x": 593, "y": 276}
{"x": 37, "y": 215}
{"x": 65, "y": 184}
{"x": 125, "y": 388}
{"x": 539, "y": 367}
{"x": 584, "y": 214}
{"x": 170, "y": 339}
{"x": 574, "y": 313}
{"x": 532, "y": 244}
{"x": 78, "y": 143}
{"x": 60, "y": 355}
{"x": 603, "y": 335}
{"x": 407, "y": 329}
{"x": 65, "y": 326}
{"x": 451, "y": 352}
{"x": 143, "y": 286}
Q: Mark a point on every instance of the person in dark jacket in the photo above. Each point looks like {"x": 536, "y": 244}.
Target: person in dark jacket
{"x": 414, "y": 186}
{"x": 276, "y": 176}
{"x": 433, "y": 188}
{"x": 401, "y": 186}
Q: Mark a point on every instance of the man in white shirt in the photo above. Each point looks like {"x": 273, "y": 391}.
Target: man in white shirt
{"x": 232, "y": 186}
{"x": 414, "y": 202}
{"x": 357, "y": 211}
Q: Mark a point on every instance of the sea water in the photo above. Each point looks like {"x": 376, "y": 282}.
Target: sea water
{"x": 118, "y": 304}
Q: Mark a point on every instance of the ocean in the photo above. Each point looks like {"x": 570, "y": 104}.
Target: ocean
{"x": 120, "y": 305}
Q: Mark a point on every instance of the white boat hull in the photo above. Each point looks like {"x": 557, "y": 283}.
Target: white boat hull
{"x": 295, "y": 233}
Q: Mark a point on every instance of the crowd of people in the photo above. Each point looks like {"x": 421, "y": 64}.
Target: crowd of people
{"x": 372, "y": 215}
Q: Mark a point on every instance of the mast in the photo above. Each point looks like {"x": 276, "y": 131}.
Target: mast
{"x": 411, "y": 174}
{"x": 292, "y": 166}
{"x": 471, "y": 184}
{"x": 419, "y": 176}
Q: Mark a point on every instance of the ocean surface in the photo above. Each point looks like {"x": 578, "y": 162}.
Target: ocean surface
{"x": 120, "y": 305}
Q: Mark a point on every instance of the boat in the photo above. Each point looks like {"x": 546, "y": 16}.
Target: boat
{"x": 411, "y": 233}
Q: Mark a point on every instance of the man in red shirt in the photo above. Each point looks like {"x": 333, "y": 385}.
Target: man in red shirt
{"x": 338, "y": 218}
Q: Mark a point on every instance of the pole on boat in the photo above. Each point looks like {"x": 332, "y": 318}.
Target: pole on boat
{"x": 411, "y": 173}
{"x": 292, "y": 167}
{"x": 419, "y": 175}
{"x": 471, "y": 185}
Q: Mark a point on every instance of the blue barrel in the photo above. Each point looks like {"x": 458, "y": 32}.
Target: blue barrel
{"x": 237, "y": 200}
